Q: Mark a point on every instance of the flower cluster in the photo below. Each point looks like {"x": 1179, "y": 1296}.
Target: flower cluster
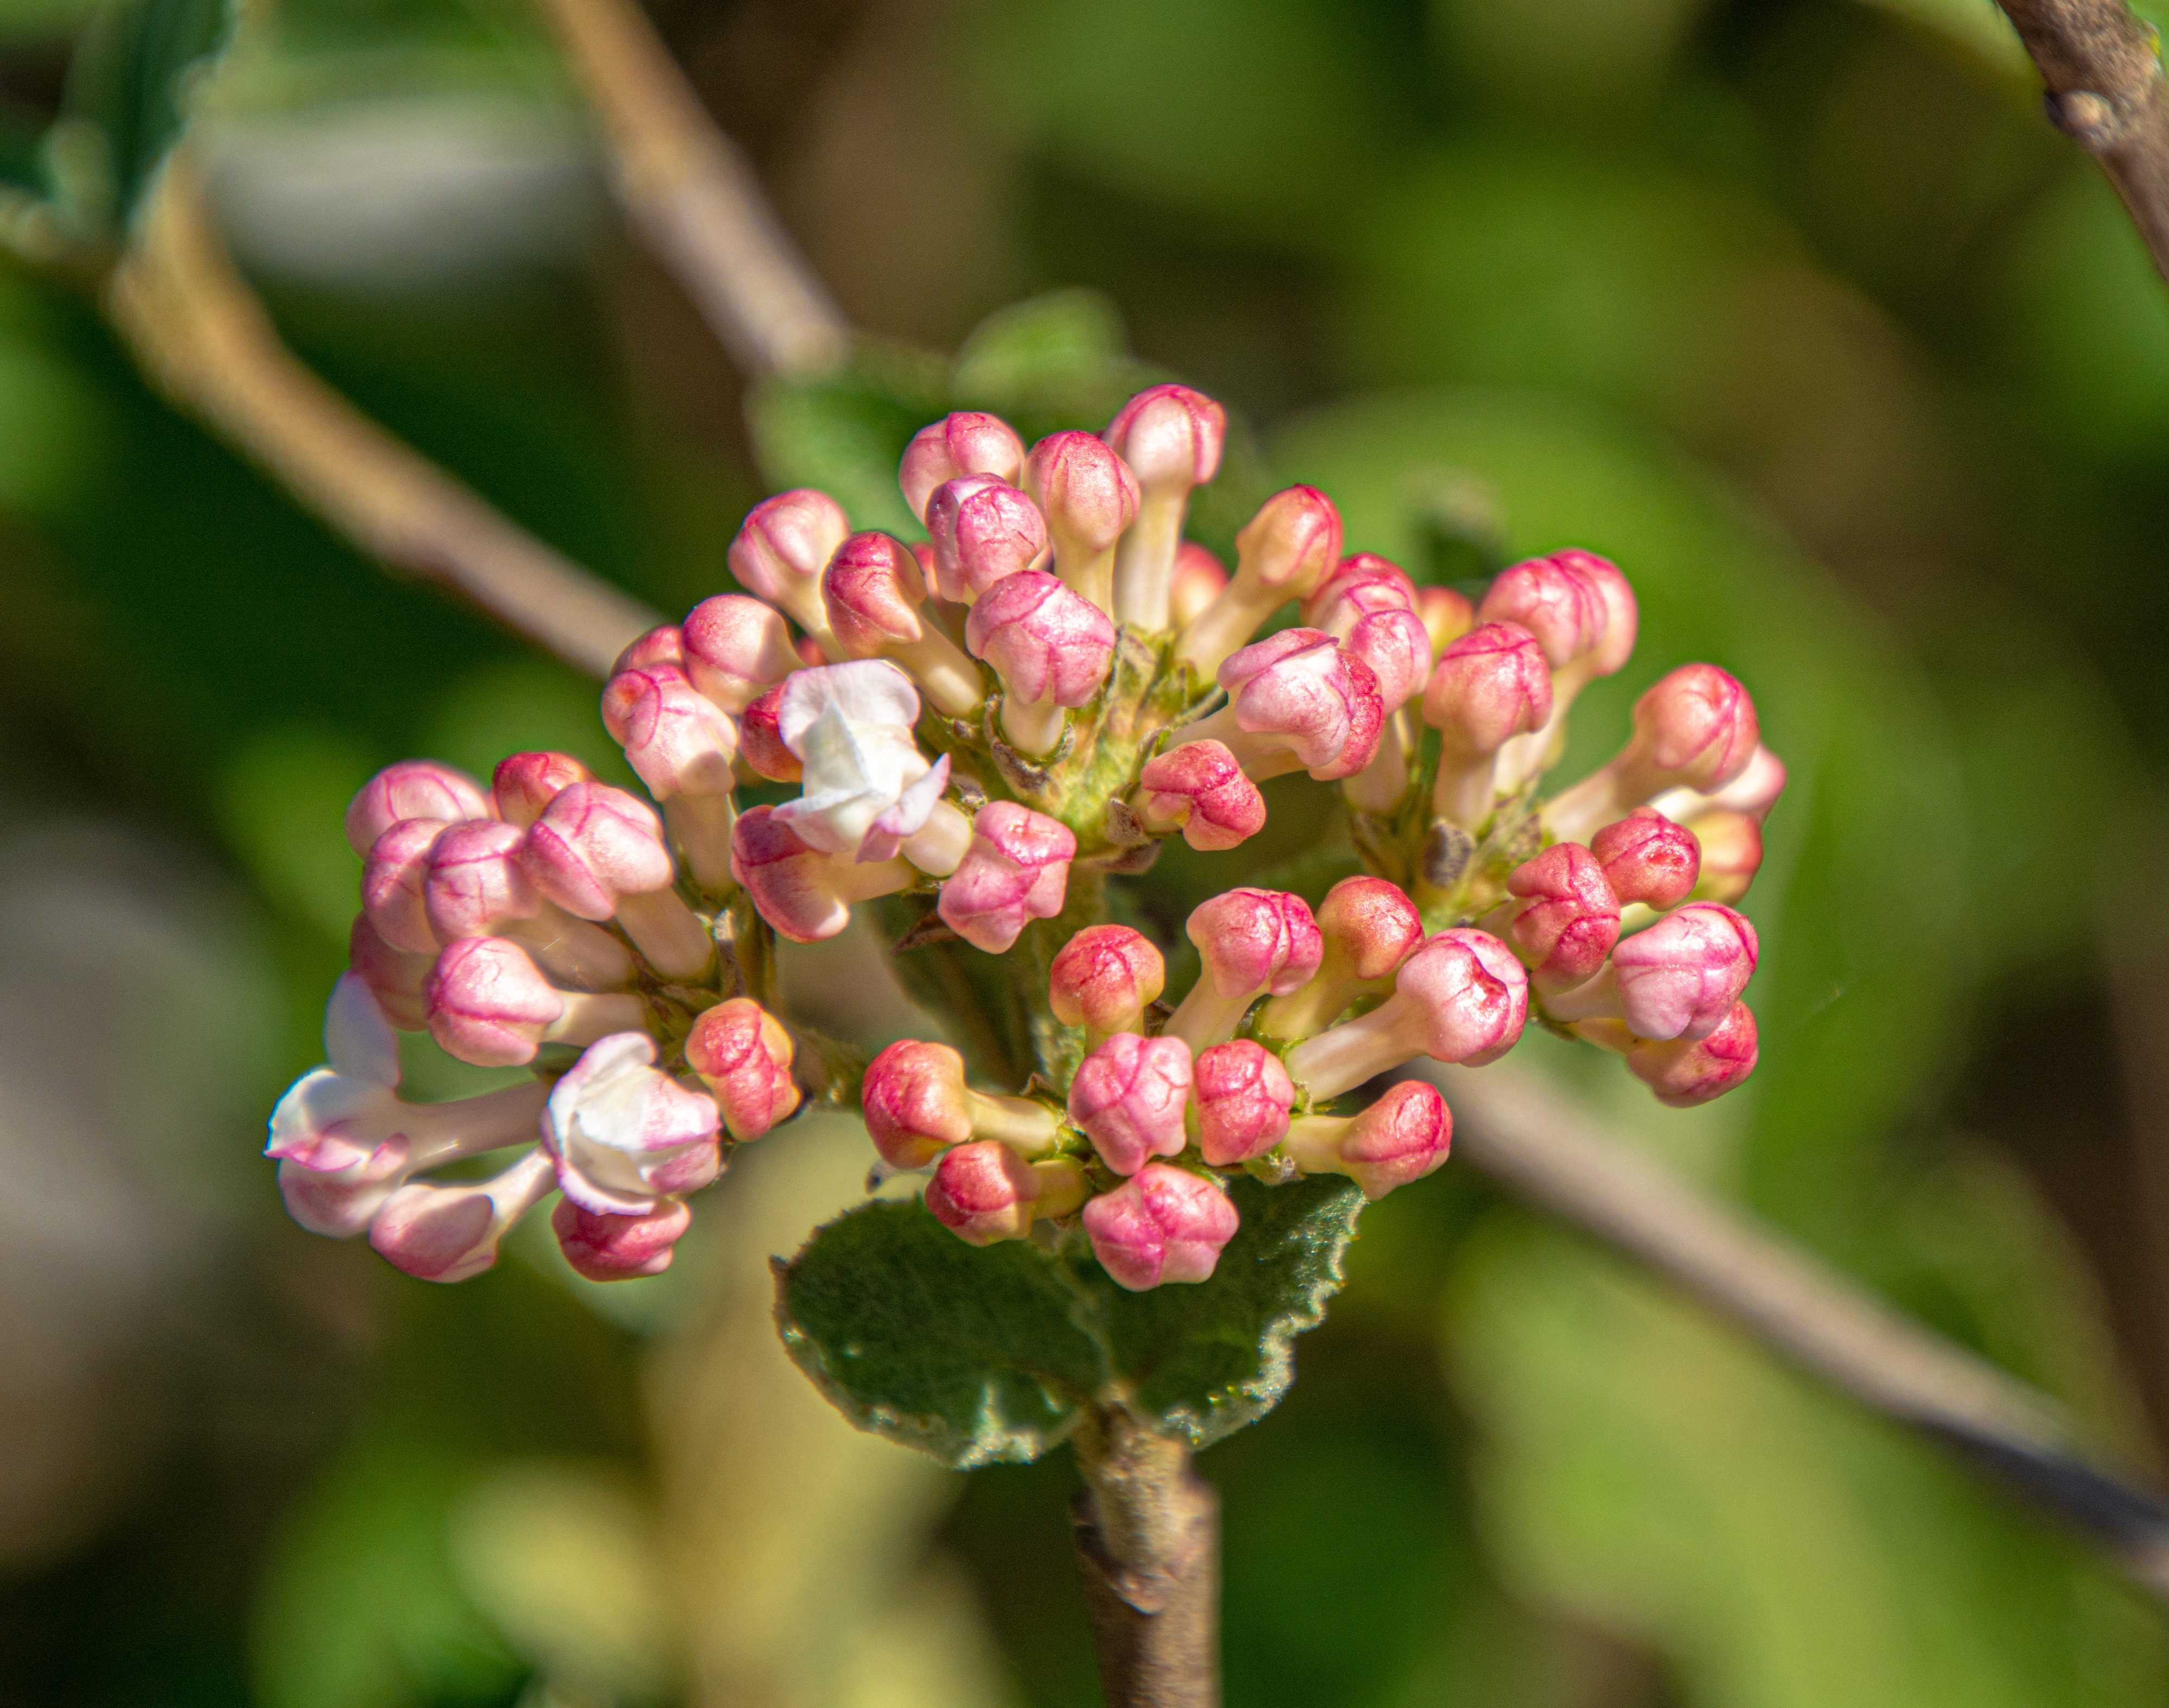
{"x": 988, "y": 726}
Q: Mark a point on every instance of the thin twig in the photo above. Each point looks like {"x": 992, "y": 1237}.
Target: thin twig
{"x": 693, "y": 197}
{"x": 2105, "y": 90}
{"x": 1544, "y": 1150}
{"x": 202, "y": 335}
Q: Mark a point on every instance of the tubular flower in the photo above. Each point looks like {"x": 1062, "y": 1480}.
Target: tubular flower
{"x": 1252, "y": 943}
{"x": 682, "y": 745}
{"x": 1403, "y": 1137}
{"x": 984, "y": 530}
{"x": 872, "y": 591}
{"x": 1286, "y": 552}
{"x": 1160, "y": 1226}
{"x": 967, "y": 442}
{"x": 1104, "y": 980}
{"x": 1050, "y": 647}
{"x": 1463, "y": 996}
{"x": 917, "y": 1105}
{"x": 1089, "y": 497}
{"x": 1695, "y": 730}
{"x": 1299, "y": 700}
{"x": 1567, "y": 919}
{"x": 1016, "y": 870}
{"x": 1648, "y": 859}
{"x": 781, "y": 549}
{"x": 1368, "y": 928}
{"x": 624, "y": 1136}
{"x": 744, "y": 1056}
{"x": 1200, "y": 790}
{"x": 1488, "y": 686}
{"x": 1678, "y": 979}
{"x": 1170, "y": 437}
{"x": 1129, "y": 1098}
{"x": 1243, "y": 1096}
{"x": 1197, "y": 579}
{"x": 868, "y": 792}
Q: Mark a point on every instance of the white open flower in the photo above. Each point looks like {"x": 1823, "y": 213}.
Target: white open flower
{"x": 625, "y": 1135}
{"x": 866, "y": 786}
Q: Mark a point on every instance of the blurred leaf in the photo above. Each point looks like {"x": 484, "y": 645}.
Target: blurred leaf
{"x": 281, "y": 803}
{"x": 1976, "y": 25}
{"x": 1054, "y": 362}
{"x": 845, "y": 432}
{"x": 130, "y": 82}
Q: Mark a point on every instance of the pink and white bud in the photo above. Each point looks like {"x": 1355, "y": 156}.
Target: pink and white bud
{"x": 1369, "y": 607}
{"x": 682, "y": 745}
{"x": 393, "y": 873}
{"x": 1555, "y": 603}
{"x": 411, "y": 788}
{"x": 1089, "y": 496}
{"x": 1619, "y": 619}
{"x": 1649, "y": 859}
{"x": 1463, "y": 996}
{"x": 394, "y": 978}
{"x": 1171, "y": 438}
{"x": 624, "y": 1135}
{"x": 1403, "y": 1137}
{"x": 805, "y": 893}
{"x": 1162, "y": 1225}
{"x": 598, "y": 852}
{"x": 1197, "y": 579}
{"x": 1488, "y": 686}
{"x": 1678, "y": 979}
{"x": 916, "y": 1105}
{"x": 526, "y": 783}
{"x": 1753, "y": 792}
{"x": 487, "y": 1004}
{"x": 1252, "y": 943}
{"x": 1543, "y": 592}
{"x": 1298, "y": 700}
{"x": 1052, "y": 648}
{"x": 781, "y": 549}
{"x": 744, "y": 1056}
{"x": 1564, "y": 918}
{"x": 736, "y": 649}
{"x": 1285, "y": 552}
{"x": 475, "y": 885}
{"x": 966, "y": 443}
{"x": 1684, "y": 1071}
{"x": 1368, "y": 927}
{"x": 1129, "y": 1096}
{"x": 619, "y": 1248}
{"x": 866, "y": 788}
{"x": 1200, "y": 790}
{"x": 451, "y": 1233}
{"x": 984, "y": 1191}
{"x": 1360, "y": 584}
{"x": 1243, "y": 1096}
{"x": 1731, "y": 854}
{"x": 1695, "y": 730}
{"x": 664, "y": 644}
{"x": 1104, "y": 979}
{"x": 1016, "y": 870}
{"x": 1446, "y": 616}
{"x": 984, "y": 530}
{"x": 872, "y": 591}
{"x": 760, "y": 741}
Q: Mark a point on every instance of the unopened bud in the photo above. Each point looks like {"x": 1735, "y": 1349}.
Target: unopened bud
{"x": 396, "y": 978}
{"x": 1463, "y": 996}
{"x": 1252, "y": 943}
{"x": 872, "y": 591}
{"x": 743, "y": 1055}
{"x": 1555, "y": 603}
{"x": 1567, "y": 918}
{"x": 1403, "y": 1137}
{"x": 1089, "y": 496}
{"x": 619, "y": 1248}
{"x": 1678, "y": 979}
{"x": 760, "y": 741}
{"x": 1162, "y": 1225}
{"x": 678, "y": 740}
{"x": 1695, "y": 730}
{"x": 967, "y": 442}
{"x": 1243, "y": 1096}
{"x": 1684, "y": 1071}
{"x": 526, "y": 783}
{"x": 1754, "y": 792}
{"x": 1129, "y": 1096}
{"x": 983, "y": 1192}
{"x": 1361, "y": 583}
{"x": 1731, "y": 854}
{"x": 1198, "y": 579}
{"x": 1446, "y": 616}
{"x": 984, "y": 530}
{"x": 664, "y": 644}
{"x": 1649, "y": 859}
{"x": 1368, "y": 928}
{"x": 803, "y": 892}
{"x": 411, "y": 788}
{"x": 487, "y": 1004}
{"x": 450, "y": 1233}
{"x": 736, "y": 649}
{"x": 779, "y": 552}
{"x": 598, "y": 852}
{"x": 1015, "y": 870}
{"x": 1285, "y": 552}
{"x": 1298, "y": 700}
{"x": 1052, "y": 648}
{"x": 1489, "y": 685}
{"x": 917, "y": 1105}
{"x": 392, "y": 878}
{"x": 1202, "y": 790}
{"x": 1104, "y": 979}
{"x": 1171, "y": 438}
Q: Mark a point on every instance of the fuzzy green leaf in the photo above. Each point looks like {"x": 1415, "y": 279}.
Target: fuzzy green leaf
{"x": 844, "y": 433}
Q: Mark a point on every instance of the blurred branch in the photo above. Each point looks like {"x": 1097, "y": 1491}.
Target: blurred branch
{"x": 1549, "y": 1154}
{"x": 693, "y": 197}
{"x": 2105, "y": 90}
{"x": 204, "y": 338}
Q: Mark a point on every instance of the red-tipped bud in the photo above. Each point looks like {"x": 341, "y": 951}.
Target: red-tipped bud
{"x": 1446, "y": 615}
{"x": 984, "y": 530}
{"x": 1243, "y": 1096}
{"x": 1252, "y": 943}
{"x": 411, "y": 788}
{"x": 664, "y": 644}
{"x": 392, "y": 880}
{"x": 619, "y": 1248}
{"x": 1463, "y": 996}
{"x": 1046, "y": 643}
{"x": 745, "y": 1055}
{"x": 1362, "y": 584}
{"x": 1199, "y": 578}
{"x": 915, "y": 1102}
{"x": 785, "y": 543}
{"x": 473, "y": 879}
{"x": 1731, "y": 855}
{"x": 1648, "y": 859}
{"x": 1680, "y": 978}
{"x": 1104, "y": 978}
{"x": 1129, "y": 1096}
{"x": 760, "y": 741}
{"x": 1685, "y": 1071}
{"x": 803, "y": 892}
{"x": 1016, "y": 870}
{"x": 1162, "y": 1225}
{"x": 1569, "y": 917}
{"x": 1403, "y": 1137}
{"x": 1557, "y": 604}
{"x": 1170, "y": 435}
{"x": 676, "y": 738}
{"x": 526, "y": 783}
{"x": 872, "y": 591}
{"x": 983, "y": 1192}
{"x": 1696, "y": 729}
{"x": 736, "y": 649}
{"x": 1201, "y": 789}
{"x": 967, "y": 442}
{"x": 1289, "y": 548}
{"x": 395, "y": 978}
{"x": 1368, "y": 927}
{"x": 593, "y": 845}
{"x": 1300, "y": 695}
{"x": 1615, "y": 600}
{"x": 1490, "y": 684}
{"x": 1087, "y": 494}
{"x": 487, "y": 1004}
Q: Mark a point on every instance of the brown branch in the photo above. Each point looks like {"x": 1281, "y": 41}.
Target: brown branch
{"x": 1549, "y": 1154}
{"x": 693, "y": 195}
{"x": 203, "y": 337}
{"x": 2105, "y": 90}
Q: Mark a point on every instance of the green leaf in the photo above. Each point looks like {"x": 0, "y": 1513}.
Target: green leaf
{"x": 977, "y": 1354}
{"x": 844, "y": 433}
{"x": 130, "y": 86}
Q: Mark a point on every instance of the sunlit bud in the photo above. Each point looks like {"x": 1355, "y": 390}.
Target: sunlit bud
{"x": 1463, "y": 996}
{"x": 984, "y": 1192}
{"x": 1684, "y": 1071}
{"x": 1565, "y": 917}
{"x": 1129, "y": 1096}
{"x": 1403, "y": 1137}
{"x": 1050, "y": 648}
{"x": 395, "y": 976}
{"x": 1731, "y": 854}
{"x": 1619, "y": 618}
{"x": 1754, "y": 792}
{"x": 760, "y": 741}
{"x": 967, "y": 442}
{"x": 1285, "y": 552}
{"x": 487, "y": 1004}
{"x": 411, "y": 788}
{"x": 1648, "y": 859}
{"x": 1104, "y": 979}
{"x": 1016, "y": 870}
{"x": 1392, "y": 642}
{"x": 804, "y": 892}
{"x": 1089, "y": 496}
{"x": 1446, "y": 615}
{"x": 1368, "y": 928}
{"x": 1557, "y": 604}
{"x": 392, "y": 876}
{"x": 475, "y": 885}
{"x": 682, "y": 745}
{"x": 1162, "y": 1225}
{"x": 1171, "y": 438}
{"x": 745, "y": 1055}
{"x": 1298, "y": 700}
{"x": 872, "y": 591}
{"x": 866, "y": 788}
{"x": 736, "y": 649}
{"x": 984, "y": 530}
{"x": 619, "y": 1248}
{"x": 1252, "y": 943}
{"x": 598, "y": 852}
{"x": 1200, "y": 790}
{"x": 664, "y": 644}
{"x": 1360, "y": 584}
{"x": 450, "y": 1233}
{"x": 1489, "y": 685}
{"x": 1678, "y": 979}
{"x": 779, "y": 552}
{"x": 625, "y": 1135}
{"x": 1695, "y": 730}
{"x": 916, "y": 1105}
{"x": 1198, "y": 578}
{"x": 1243, "y": 1096}
{"x": 526, "y": 783}
{"x": 1583, "y": 611}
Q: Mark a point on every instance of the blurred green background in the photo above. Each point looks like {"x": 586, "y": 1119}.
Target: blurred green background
{"x": 1796, "y": 308}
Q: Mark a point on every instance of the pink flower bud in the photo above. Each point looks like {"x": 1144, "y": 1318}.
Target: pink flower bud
{"x": 1396, "y": 648}
{"x": 392, "y": 876}
{"x": 1680, "y": 977}
{"x": 1253, "y": 943}
{"x": 411, "y": 788}
{"x": 1050, "y": 646}
{"x": 526, "y": 783}
{"x": 1200, "y": 788}
{"x": 1104, "y": 979}
{"x": 1490, "y": 684}
{"x": 594, "y": 845}
{"x": 1299, "y": 700}
{"x": 779, "y": 552}
{"x": 967, "y": 442}
{"x": 736, "y": 649}
{"x": 1446, "y": 615}
{"x": 1129, "y": 1096}
{"x": 1695, "y": 730}
{"x": 1285, "y": 552}
{"x": 1162, "y": 1225}
{"x": 1569, "y": 917}
{"x": 619, "y": 1248}
{"x": 760, "y": 741}
{"x": 1199, "y": 578}
{"x": 624, "y": 1135}
{"x": 473, "y": 879}
{"x": 1615, "y": 600}
{"x": 1170, "y": 435}
{"x": 1554, "y": 603}
{"x": 450, "y": 1233}
{"x": 872, "y": 591}
{"x": 664, "y": 644}
{"x": 1461, "y": 997}
{"x": 487, "y": 1004}
{"x": 395, "y": 978}
{"x": 1684, "y": 1071}
{"x": 804, "y": 893}
{"x": 1363, "y": 583}
{"x": 1015, "y": 870}
{"x": 1368, "y": 927}
{"x": 676, "y": 738}
{"x": 1648, "y": 859}
{"x": 1403, "y": 1137}
{"x": 1243, "y": 1096}
{"x": 743, "y": 1054}
{"x": 984, "y": 530}
{"x": 1731, "y": 854}
{"x": 1754, "y": 792}
{"x": 916, "y": 1105}
{"x": 983, "y": 1192}
{"x": 1089, "y": 496}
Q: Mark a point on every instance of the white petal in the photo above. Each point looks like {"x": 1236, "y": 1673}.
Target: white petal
{"x": 864, "y": 690}
{"x": 357, "y": 1038}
